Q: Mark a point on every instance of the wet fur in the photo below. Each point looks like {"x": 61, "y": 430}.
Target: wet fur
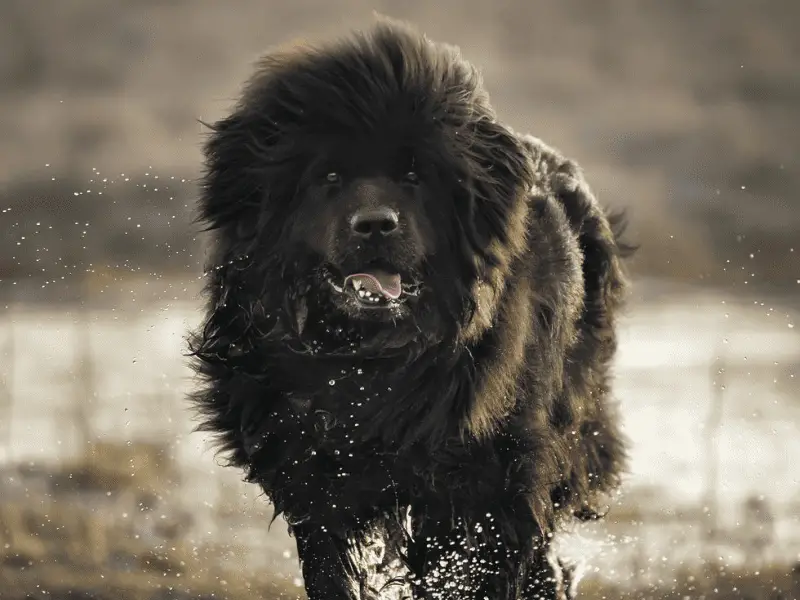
{"x": 488, "y": 413}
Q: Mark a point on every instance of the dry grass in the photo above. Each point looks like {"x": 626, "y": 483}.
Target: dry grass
{"x": 713, "y": 583}
{"x": 53, "y": 550}
{"x": 80, "y": 531}
{"x": 55, "y": 582}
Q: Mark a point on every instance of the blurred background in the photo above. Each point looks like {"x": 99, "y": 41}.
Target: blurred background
{"x": 686, "y": 112}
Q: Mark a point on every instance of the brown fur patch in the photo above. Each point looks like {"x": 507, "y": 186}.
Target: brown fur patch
{"x": 488, "y": 290}
{"x": 497, "y": 393}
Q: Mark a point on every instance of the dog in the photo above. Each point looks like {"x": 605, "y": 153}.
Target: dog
{"x": 411, "y": 317}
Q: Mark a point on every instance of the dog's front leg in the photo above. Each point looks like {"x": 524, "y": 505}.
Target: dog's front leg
{"x": 545, "y": 576}
{"x": 328, "y": 570}
{"x": 452, "y": 558}
{"x": 497, "y": 557}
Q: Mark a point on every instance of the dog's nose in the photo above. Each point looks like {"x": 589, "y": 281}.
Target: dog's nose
{"x": 375, "y": 222}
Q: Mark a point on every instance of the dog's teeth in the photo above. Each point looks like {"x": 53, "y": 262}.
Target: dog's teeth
{"x": 362, "y": 293}
{"x": 356, "y": 284}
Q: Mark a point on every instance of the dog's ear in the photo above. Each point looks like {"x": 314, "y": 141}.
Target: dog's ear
{"x": 500, "y": 174}
{"x": 230, "y": 185}
{"x": 247, "y": 155}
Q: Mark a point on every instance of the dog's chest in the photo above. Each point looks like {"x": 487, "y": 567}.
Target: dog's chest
{"x": 334, "y": 403}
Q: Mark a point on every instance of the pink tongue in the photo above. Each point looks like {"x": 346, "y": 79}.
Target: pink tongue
{"x": 379, "y": 282}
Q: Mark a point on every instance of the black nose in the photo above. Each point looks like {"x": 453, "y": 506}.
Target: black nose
{"x": 374, "y": 222}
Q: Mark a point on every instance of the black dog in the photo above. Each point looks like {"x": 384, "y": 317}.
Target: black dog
{"x": 410, "y": 324}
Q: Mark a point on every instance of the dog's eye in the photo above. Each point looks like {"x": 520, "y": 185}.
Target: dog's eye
{"x": 411, "y": 177}
{"x": 333, "y": 177}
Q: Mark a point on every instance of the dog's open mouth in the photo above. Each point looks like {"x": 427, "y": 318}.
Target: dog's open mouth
{"x": 375, "y": 288}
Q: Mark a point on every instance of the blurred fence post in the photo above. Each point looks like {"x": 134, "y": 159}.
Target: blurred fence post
{"x": 711, "y": 433}
{"x": 85, "y": 390}
{"x": 7, "y": 390}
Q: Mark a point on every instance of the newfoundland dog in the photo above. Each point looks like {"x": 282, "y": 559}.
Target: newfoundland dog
{"x": 410, "y": 323}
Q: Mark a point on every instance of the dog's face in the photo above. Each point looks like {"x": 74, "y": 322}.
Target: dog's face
{"x": 366, "y": 209}
{"x": 373, "y": 178}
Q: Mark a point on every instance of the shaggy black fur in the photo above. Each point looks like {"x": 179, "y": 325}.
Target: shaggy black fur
{"x": 478, "y": 402}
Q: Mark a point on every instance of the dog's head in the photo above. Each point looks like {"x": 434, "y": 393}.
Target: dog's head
{"x": 365, "y": 184}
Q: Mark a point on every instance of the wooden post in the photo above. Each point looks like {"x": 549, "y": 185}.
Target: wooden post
{"x": 711, "y": 432}
{"x": 85, "y": 390}
{"x": 7, "y": 396}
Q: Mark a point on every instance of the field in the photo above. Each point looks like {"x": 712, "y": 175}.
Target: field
{"x": 680, "y": 111}
{"x": 117, "y": 376}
